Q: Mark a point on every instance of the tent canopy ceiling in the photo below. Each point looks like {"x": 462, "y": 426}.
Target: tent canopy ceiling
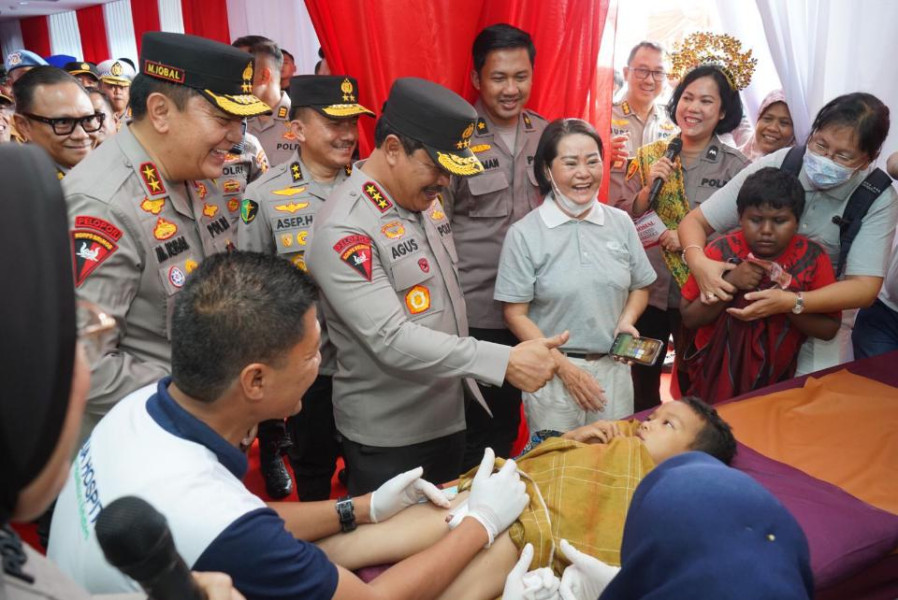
{"x": 19, "y": 9}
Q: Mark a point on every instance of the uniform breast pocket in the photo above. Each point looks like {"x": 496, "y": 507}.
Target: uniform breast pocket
{"x": 615, "y": 269}
{"x": 416, "y": 286}
{"x": 488, "y": 197}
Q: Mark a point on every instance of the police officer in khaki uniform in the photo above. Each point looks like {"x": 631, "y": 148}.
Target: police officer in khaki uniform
{"x": 115, "y": 81}
{"x": 273, "y": 131}
{"x": 383, "y": 254}
{"x": 637, "y": 120}
{"x": 484, "y": 206}
{"x": 140, "y": 221}
{"x": 280, "y": 209}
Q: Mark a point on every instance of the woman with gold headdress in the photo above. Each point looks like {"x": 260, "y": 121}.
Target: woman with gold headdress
{"x": 704, "y": 105}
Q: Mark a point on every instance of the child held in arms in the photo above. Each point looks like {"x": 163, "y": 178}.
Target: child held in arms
{"x": 731, "y": 355}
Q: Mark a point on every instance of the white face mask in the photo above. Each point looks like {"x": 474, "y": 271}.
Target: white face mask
{"x": 569, "y": 206}
{"x": 825, "y": 173}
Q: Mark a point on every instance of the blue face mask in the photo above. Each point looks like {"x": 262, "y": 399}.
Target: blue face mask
{"x": 825, "y": 173}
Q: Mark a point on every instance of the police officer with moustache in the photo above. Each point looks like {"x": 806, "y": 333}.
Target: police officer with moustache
{"x": 278, "y": 218}
{"x": 115, "y": 79}
{"x": 273, "y": 131}
{"x": 139, "y": 220}
{"x": 383, "y": 255}
{"x": 637, "y": 120}
{"x": 483, "y": 207}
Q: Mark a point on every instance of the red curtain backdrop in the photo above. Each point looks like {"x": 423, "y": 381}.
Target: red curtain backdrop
{"x": 146, "y": 18}
{"x": 377, "y": 41}
{"x": 92, "y": 26}
{"x": 207, "y": 18}
{"x": 36, "y": 35}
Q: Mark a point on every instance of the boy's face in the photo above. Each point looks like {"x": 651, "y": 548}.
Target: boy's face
{"x": 768, "y": 230}
{"x": 670, "y": 430}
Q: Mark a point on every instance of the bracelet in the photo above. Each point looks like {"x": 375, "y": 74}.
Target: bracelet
{"x": 346, "y": 512}
{"x": 683, "y": 254}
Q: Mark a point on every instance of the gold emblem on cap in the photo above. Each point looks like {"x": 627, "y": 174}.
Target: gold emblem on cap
{"x": 247, "y": 86}
{"x": 346, "y": 88}
{"x": 458, "y": 165}
{"x": 468, "y": 132}
{"x": 85, "y": 66}
{"x": 116, "y": 69}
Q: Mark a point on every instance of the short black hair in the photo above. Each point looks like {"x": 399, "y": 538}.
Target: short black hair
{"x": 547, "y": 148}
{"x": 318, "y": 66}
{"x": 730, "y": 102}
{"x": 716, "y": 437}
{"x": 258, "y": 45}
{"x": 144, "y": 85}
{"x": 501, "y": 36}
{"x": 771, "y": 187}
{"x": 23, "y": 89}
{"x": 865, "y": 113}
{"x": 237, "y": 308}
{"x": 644, "y": 44}
{"x": 93, "y": 91}
{"x": 383, "y": 129}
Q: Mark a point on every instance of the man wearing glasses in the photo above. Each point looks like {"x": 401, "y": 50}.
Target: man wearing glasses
{"x": 144, "y": 206}
{"x": 54, "y": 112}
{"x": 637, "y": 120}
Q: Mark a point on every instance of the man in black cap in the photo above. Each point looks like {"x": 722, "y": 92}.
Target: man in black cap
{"x": 382, "y": 253}
{"x": 280, "y": 208}
{"x": 85, "y": 72}
{"x": 142, "y": 210}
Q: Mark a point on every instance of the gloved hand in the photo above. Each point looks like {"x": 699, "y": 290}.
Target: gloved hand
{"x": 539, "y": 584}
{"x": 496, "y": 499}
{"x": 586, "y": 577}
{"x": 403, "y": 491}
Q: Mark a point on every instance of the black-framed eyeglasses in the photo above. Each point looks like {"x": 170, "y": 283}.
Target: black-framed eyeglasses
{"x": 66, "y": 125}
{"x": 642, "y": 73}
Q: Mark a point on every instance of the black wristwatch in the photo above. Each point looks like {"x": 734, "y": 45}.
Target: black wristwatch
{"x": 346, "y": 512}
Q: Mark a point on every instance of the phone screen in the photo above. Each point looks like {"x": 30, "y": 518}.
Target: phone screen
{"x": 641, "y": 350}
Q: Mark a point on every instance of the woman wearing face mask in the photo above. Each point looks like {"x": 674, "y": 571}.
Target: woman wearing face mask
{"x": 846, "y": 137}
{"x": 577, "y": 265}
{"x": 773, "y": 130}
{"x": 704, "y": 105}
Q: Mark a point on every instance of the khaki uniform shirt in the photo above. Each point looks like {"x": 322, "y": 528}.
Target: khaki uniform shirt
{"x": 396, "y": 315}
{"x": 624, "y": 121}
{"x": 135, "y": 238}
{"x": 242, "y": 169}
{"x": 273, "y": 131}
{"x": 278, "y": 220}
{"x": 710, "y": 172}
{"x": 483, "y": 207}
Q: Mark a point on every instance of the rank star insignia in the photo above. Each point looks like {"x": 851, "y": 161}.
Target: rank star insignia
{"x": 150, "y": 176}
{"x": 348, "y": 170}
{"x": 295, "y": 171}
{"x": 528, "y": 124}
{"x": 377, "y": 197}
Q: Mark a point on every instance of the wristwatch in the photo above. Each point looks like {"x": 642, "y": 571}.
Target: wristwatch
{"x": 346, "y": 512}
{"x": 799, "y": 304}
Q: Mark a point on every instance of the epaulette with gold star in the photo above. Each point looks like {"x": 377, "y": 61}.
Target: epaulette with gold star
{"x": 150, "y": 175}
{"x": 348, "y": 170}
{"x": 482, "y": 127}
{"x": 376, "y": 196}
{"x": 295, "y": 171}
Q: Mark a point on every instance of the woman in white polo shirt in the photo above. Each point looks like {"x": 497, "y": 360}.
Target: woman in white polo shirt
{"x": 574, "y": 264}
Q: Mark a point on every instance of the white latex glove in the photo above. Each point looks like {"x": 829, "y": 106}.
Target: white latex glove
{"x": 539, "y": 584}
{"x": 496, "y": 499}
{"x": 403, "y": 491}
{"x": 586, "y": 577}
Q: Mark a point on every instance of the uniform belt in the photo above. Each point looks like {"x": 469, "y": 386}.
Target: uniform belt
{"x": 585, "y": 356}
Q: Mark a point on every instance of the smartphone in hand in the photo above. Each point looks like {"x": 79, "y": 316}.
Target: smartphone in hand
{"x": 641, "y": 350}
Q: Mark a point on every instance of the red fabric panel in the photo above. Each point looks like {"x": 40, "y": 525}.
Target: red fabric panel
{"x": 145, "y": 14}
{"x": 377, "y": 41}
{"x": 36, "y": 35}
{"x": 206, "y": 18}
{"x": 92, "y": 26}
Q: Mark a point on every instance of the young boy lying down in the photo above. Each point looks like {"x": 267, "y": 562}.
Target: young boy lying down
{"x": 580, "y": 487}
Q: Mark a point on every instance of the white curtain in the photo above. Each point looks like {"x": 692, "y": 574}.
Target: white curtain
{"x": 171, "y": 18}
{"x": 10, "y": 37}
{"x": 285, "y": 21}
{"x": 824, "y": 48}
{"x": 65, "y": 38}
{"x": 120, "y": 30}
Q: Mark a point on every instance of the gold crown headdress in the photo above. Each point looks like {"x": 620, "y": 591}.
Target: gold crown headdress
{"x": 723, "y": 51}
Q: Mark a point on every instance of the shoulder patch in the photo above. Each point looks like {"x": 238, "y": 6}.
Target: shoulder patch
{"x": 376, "y": 196}
{"x": 712, "y": 153}
{"x": 93, "y": 241}
{"x": 248, "y": 211}
{"x": 151, "y": 180}
{"x": 417, "y": 300}
{"x": 355, "y": 251}
{"x": 295, "y": 171}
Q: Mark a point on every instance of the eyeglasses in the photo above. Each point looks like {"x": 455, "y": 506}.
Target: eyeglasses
{"x": 96, "y": 329}
{"x": 642, "y": 73}
{"x": 66, "y": 125}
{"x": 820, "y": 149}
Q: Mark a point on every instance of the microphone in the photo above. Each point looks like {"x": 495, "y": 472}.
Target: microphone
{"x": 673, "y": 149}
{"x": 136, "y": 540}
